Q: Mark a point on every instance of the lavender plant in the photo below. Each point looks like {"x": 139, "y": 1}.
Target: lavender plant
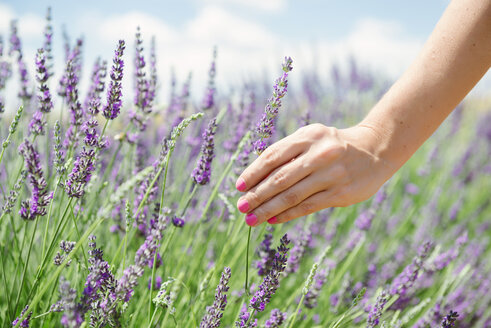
{"x": 413, "y": 256}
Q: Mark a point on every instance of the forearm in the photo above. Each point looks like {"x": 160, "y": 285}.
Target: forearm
{"x": 453, "y": 60}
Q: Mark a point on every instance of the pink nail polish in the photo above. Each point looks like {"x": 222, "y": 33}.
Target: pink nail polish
{"x": 243, "y": 205}
{"x": 240, "y": 184}
{"x": 251, "y": 219}
{"x": 273, "y": 220}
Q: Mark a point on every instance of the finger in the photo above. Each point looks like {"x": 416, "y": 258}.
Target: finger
{"x": 289, "y": 198}
{"x": 312, "y": 204}
{"x": 274, "y": 156}
{"x": 279, "y": 180}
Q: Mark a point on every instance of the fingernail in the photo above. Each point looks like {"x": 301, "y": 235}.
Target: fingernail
{"x": 243, "y": 205}
{"x": 240, "y": 184}
{"x": 251, "y": 219}
{"x": 273, "y": 220}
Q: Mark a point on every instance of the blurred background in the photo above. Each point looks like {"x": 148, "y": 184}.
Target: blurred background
{"x": 252, "y": 36}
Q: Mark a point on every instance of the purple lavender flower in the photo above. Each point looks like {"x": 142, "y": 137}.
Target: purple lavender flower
{"x": 141, "y": 90}
{"x": 449, "y": 320}
{"x": 411, "y": 189}
{"x": 114, "y": 94}
{"x": 376, "y": 310}
{"x": 208, "y": 100}
{"x": 298, "y": 250}
{"x": 201, "y": 174}
{"x": 276, "y": 320}
{"x": 81, "y": 173}
{"x": 265, "y": 128}
{"x": 143, "y": 257}
{"x": 44, "y": 96}
{"x": 408, "y": 276}
{"x": 312, "y": 295}
{"x": 37, "y": 124}
{"x": 15, "y": 47}
{"x": 92, "y": 103}
{"x": 215, "y": 312}
{"x": 244, "y": 321}
{"x": 265, "y": 254}
{"x": 25, "y": 323}
{"x": 271, "y": 281}
{"x": 178, "y": 222}
{"x": 157, "y": 283}
{"x": 48, "y": 36}
{"x": 40, "y": 198}
{"x": 72, "y": 311}
{"x": 364, "y": 220}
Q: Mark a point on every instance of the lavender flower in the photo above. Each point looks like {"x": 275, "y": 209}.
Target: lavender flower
{"x": 201, "y": 174}
{"x": 59, "y": 154}
{"x": 265, "y": 253}
{"x": 65, "y": 247}
{"x": 92, "y": 102}
{"x": 276, "y": 320}
{"x": 42, "y": 77}
{"x": 408, "y": 276}
{"x": 140, "y": 80}
{"x": 208, "y": 100}
{"x": 312, "y": 295}
{"x": 143, "y": 257}
{"x": 178, "y": 222}
{"x": 449, "y": 320}
{"x": 270, "y": 282}
{"x": 298, "y": 251}
{"x": 14, "y": 193}
{"x": 40, "y": 198}
{"x": 72, "y": 311}
{"x": 364, "y": 220}
{"x": 265, "y": 128}
{"x": 81, "y": 173}
{"x": 37, "y": 124}
{"x": 48, "y": 35}
{"x": 377, "y": 309}
{"x": 245, "y": 320}
{"x": 114, "y": 101}
{"x": 215, "y": 312}
{"x": 15, "y": 47}
{"x": 25, "y": 323}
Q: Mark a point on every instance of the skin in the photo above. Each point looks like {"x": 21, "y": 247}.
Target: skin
{"x": 319, "y": 167}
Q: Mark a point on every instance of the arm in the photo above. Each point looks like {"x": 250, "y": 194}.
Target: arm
{"x": 319, "y": 167}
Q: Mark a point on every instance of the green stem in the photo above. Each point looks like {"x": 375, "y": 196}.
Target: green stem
{"x": 54, "y": 276}
{"x": 9, "y": 310}
{"x": 49, "y": 217}
{"x": 154, "y": 266}
{"x": 26, "y": 264}
{"x": 74, "y": 219}
{"x": 153, "y": 317}
{"x": 247, "y": 262}
{"x": 294, "y": 317}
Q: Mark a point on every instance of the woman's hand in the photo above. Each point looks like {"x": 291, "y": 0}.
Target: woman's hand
{"x": 314, "y": 168}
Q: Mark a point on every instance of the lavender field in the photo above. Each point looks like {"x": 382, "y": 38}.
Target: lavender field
{"x": 118, "y": 205}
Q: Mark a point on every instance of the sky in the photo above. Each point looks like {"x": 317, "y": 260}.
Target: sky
{"x": 252, "y": 36}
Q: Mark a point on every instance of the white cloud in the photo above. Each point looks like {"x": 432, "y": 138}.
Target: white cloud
{"x": 262, "y": 5}
{"x": 216, "y": 25}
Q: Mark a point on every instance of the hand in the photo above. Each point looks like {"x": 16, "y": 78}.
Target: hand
{"x": 314, "y": 168}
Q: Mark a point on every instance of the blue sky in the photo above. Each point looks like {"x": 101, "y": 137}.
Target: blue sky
{"x": 251, "y": 35}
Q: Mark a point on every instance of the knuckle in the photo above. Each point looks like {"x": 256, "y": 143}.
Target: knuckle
{"x": 280, "y": 179}
{"x": 290, "y": 198}
{"x": 269, "y": 158}
{"x": 262, "y": 212}
{"x": 253, "y": 198}
{"x": 307, "y": 207}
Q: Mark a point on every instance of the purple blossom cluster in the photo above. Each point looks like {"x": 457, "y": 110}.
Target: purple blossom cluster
{"x": 271, "y": 281}
{"x": 209, "y": 98}
{"x": 114, "y": 94}
{"x": 215, "y": 312}
{"x": 265, "y": 127}
{"x": 201, "y": 174}
{"x": 40, "y": 198}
